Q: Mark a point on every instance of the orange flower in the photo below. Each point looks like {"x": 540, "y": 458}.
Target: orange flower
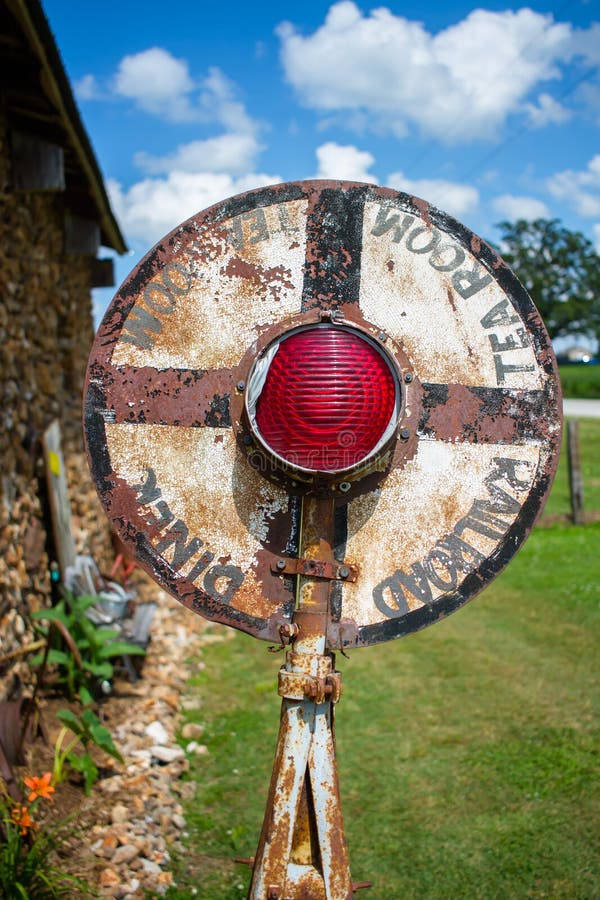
{"x": 21, "y": 817}
{"x": 39, "y": 787}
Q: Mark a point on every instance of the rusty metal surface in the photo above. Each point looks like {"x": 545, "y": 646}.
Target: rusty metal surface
{"x": 480, "y": 422}
{"x": 302, "y": 852}
{"x": 317, "y": 682}
{"x": 316, "y": 568}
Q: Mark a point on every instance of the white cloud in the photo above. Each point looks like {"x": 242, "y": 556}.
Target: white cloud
{"x": 580, "y": 190}
{"x": 547, "y": 112}
{"x": 450, "y": 196}
{"x": 233, "y": 153}
{"x": 596, "y": 233}
{"x": 151, "y": 208}
{"x": 457, "y": 85}
{"x": 587, "y": 44}
{"x": 196, "y": 174}
{"x": 219, "y": 103}
{"x": 161, "y": 85}
{"x": 512, "y": 207}
{"x": 346, "y": 163}
{"x": 87, "y": 88}
{"x": 158, "y": 83}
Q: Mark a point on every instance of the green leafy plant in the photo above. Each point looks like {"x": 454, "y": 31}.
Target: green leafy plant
{"x": 26, "y": 847}
{"x": 87, "y": 731}
{"x": 86, "y": 658}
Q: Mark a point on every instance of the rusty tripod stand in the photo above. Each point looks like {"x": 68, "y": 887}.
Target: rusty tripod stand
{"x": 302, "y": 852}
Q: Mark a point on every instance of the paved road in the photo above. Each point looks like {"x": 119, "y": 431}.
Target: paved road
{"x": 582, "y": 409}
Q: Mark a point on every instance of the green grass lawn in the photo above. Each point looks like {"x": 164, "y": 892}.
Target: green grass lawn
{"x": 581, "y": 382}
{"x": 468, "y": 752}
{"x": 589, "y": 442}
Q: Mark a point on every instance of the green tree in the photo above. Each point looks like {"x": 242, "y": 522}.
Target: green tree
{"x": 561, "y": 271}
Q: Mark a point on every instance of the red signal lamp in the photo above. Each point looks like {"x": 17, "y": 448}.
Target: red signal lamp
{"x": 324, "y": 400}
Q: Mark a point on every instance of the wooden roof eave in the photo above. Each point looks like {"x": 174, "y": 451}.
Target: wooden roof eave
{"x": 58, "y": 89}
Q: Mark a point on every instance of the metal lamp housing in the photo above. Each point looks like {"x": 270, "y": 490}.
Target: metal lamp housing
{"x": 339, "y": 415}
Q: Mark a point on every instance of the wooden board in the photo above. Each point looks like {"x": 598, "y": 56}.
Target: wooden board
{"x": 58, "y": 495}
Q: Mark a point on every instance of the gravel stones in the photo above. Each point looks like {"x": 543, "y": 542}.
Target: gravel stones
{"x": 140, "y": 814}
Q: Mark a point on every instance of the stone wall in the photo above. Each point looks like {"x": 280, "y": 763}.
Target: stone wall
{"x": 46, "y": 330}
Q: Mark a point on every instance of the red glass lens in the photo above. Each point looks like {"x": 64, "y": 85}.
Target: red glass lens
{"x": 327, "y": 399}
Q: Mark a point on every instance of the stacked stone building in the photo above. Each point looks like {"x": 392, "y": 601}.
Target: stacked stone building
{"x": 54, "y": 218}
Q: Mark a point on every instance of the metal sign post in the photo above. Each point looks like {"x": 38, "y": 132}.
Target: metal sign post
{"x": 302, "y": 849}
{"x": 327, "y": 414}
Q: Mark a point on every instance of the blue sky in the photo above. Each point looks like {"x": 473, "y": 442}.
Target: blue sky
{"x": 491, "y": 112}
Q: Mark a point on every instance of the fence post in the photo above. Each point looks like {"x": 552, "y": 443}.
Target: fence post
{"x": 575, "y": 477}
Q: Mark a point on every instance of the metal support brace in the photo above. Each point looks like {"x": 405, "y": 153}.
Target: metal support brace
{"x": 315, "y": 568}
{"x": 302, "y": 852}
{"x": 311, "y": 678}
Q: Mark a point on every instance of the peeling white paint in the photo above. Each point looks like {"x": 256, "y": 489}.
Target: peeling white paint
{"x": 417, "y": 506}
{"x": 214, "y": 323}
{"x": 440, "y": 330}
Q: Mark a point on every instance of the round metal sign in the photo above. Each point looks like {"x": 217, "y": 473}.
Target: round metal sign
{"x": 461, "y": 469}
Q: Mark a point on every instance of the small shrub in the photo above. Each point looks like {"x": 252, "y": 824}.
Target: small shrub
{"x": 87, "y": 660}
{"x": 88, "y": 731}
